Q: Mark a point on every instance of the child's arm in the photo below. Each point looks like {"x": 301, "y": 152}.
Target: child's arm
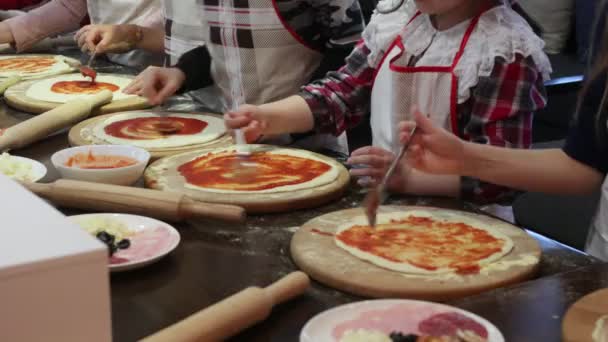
{"x": 434, "y": 150}
{"x": 502, "y": 106}
{"x": 330, "y": 105}
{"x": 121, "y": 38}
{"x": 55, "y": 17}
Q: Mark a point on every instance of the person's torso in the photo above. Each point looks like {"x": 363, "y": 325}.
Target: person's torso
{"x": 116, "y": 12}
{"x": 271, "y": 60}
{"x": 184, "y": 28}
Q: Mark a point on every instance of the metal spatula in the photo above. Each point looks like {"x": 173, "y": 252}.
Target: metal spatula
{"x": 377, "y": 195}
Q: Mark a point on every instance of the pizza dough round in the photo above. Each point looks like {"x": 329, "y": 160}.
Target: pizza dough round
{"x": 41, "y": 90}
{"x": 213, "y": 131}
{"x": 60, "y": 66}
{"x": 405, "y": 267}
{"x": 326, "y": 178}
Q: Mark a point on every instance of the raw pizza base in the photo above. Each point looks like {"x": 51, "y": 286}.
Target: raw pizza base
{"x": 16, "y": 97}
{"x": 63, "y": 65}
{"x": 213, "y": 131}
{"x": 325, "y": 178}
{"x": 411, "y": 269}
{"x": 314, "y": 251}
{"x": 41, "y": 90}
{"x": 163, "y": 175}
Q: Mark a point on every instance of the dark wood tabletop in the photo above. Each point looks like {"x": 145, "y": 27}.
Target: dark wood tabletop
{"x": 215, "y": 260}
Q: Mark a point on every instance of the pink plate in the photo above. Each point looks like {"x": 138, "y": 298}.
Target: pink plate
{"x": 395, "y": 315}
{"x": 152, "y": 240}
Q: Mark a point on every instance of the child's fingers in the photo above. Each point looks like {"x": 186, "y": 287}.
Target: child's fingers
{"x": 370, "y": 150}
{"x": 373, "y": 160}
{"x": 367, "y": 172}
{"x": 235, "y": 121}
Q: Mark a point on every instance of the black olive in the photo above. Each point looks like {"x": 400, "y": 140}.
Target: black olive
{"x": 103, "y": 236}
{"x": 399, "y": 337}
{"x": 112, "y": 249}
{"x": 124, "y": 244}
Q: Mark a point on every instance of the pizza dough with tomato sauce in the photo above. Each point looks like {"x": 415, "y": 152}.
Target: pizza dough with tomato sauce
{"x": 32, "y": 66}
{"x": 421, "y": 242}
{"x": 64, "y": 88}
{"x": 150, "y": 130}
{"x": 273, "y": 171}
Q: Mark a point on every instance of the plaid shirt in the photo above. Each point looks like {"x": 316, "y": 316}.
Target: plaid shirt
{"x": 499, "y": 111}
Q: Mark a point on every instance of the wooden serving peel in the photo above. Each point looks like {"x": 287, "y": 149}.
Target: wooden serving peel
{"x": 170, "y": 206}
{"x": 235, "y": 313}
{"x": 41, "y": 126}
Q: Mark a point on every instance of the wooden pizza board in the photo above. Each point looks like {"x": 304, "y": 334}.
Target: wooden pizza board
{"x": 579, "y": 322}
{"x": 166, "y": 168}
{"x": 81, "y": 135}
{"x": 16, "y": 98}
{"x": 319, "y": 257}
{"x": 74, "y": 63}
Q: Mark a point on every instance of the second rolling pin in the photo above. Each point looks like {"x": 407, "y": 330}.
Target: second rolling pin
{"x": 235, "y": 313}
{"x": 41, "y": 126}
{"x": 170, "y": 206}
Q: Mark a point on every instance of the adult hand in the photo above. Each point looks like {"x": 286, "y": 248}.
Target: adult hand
{"x": 107, "y": 38}
{"x": 156, "y": 84}
{"x": 250, "y": 119}
{"x": 433, "y": 149}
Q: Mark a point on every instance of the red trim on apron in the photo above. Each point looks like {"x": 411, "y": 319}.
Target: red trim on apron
{"x": 437, "y": 69}
{"x": 289, "y": 29}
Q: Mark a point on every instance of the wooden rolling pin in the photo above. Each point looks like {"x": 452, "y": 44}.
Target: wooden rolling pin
{"x": 170, "y": 206}
{"x": 41, "y": 126}
{"x": 235, "y": 313}
{"x": 9, "y": 82}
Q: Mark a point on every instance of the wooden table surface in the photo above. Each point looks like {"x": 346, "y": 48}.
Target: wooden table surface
{"x": 216, "y": 259}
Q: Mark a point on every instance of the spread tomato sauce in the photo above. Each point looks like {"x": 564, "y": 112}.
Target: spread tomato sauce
{"x": 26, "y": 64}
{"x": 269, "y": 170}
{"x": 425, "y": 243}
{"x": 154, "y": 128}
{"x": 82, "y": 87}
{"x": 91, "y": 161}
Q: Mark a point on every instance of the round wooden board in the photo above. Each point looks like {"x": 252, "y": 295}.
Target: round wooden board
{"x": 16, "y": 98}
{"x": 81, "y": 135}
{"x": 74, "y": 63}
{"x": 166, "y": 168}
{"x": 579, "y": 322}
{"x": 319, "y": 257}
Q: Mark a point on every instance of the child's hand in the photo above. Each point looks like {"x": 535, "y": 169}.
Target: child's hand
{"x": 433, "y": 150}
{"x": 107, "y": 38}
{"x": 249, "y": 119}
{"x": 156, "y": 84}
{"x": 376, "y": 161}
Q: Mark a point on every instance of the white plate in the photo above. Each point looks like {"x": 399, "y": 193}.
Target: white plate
{"x": 37, "y": 171}
{"x": 324, "y": 326}
{"x": 167, "y": 239}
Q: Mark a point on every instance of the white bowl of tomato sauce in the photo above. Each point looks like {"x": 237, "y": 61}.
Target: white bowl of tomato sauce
{"x": 110, "y": 164}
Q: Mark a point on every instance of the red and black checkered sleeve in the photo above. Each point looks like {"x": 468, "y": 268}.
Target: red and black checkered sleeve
{"x": 502, "y": 106}
{"x": 341, "y": 99}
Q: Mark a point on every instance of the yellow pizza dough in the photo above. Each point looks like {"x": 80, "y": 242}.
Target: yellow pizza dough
{"x": 326, "y": 178}
{"x": 213, "y": 131}
{"x": 404, "y": 267}
{"x": 41, "y": 90}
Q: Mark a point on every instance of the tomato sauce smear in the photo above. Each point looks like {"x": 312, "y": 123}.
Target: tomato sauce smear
{"x": 271, "y": 170}
{"x": 154, "y": 127}
{"x": 425, "y": 243}
{"x": 82, "y": 87}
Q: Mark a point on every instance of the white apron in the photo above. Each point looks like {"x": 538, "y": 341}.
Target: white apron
{"x": 116, "y": 12}
{"x": 597, "y": 240}
{"x": 183, "y": 28}
{"x": 399, "y": 88}
{"x": 273, "y": 61}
